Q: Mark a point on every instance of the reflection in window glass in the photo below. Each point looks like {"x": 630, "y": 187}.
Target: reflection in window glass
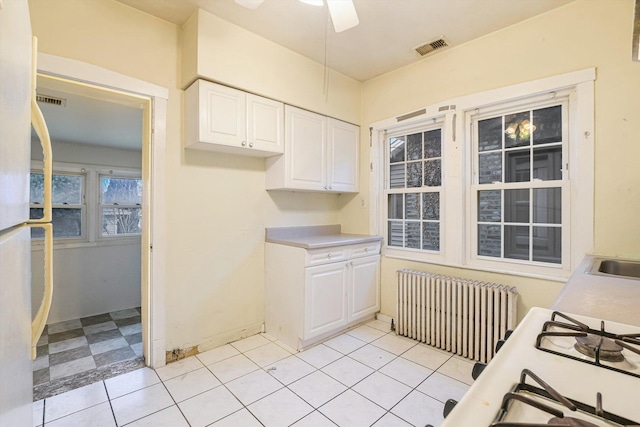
{"x": 516, "y": 205}
{"x": 547, "y": 163}
{"x": 547, "y": 205}
{"x": 414, "y": 174}
{"x": 412, "y": 234}
{"x": 517, "y": 132}
{"x": 396, "y": 176}
{"x": 489, "y": 240}
{"x": 490, "y": 134}
{"x": 395, "y": 233}
{"x": 396, "y": 150}
{"x": 547, "y": 244}
{"x": 490, "y": 168}
{"x": 395, "y": 206}
{"x": 518, "y": 166}
{"x": 412, "y": 206}
{"x": 516, "y": 241}
{"x": 548, "y": 123}
{"x": 490, "y": 206}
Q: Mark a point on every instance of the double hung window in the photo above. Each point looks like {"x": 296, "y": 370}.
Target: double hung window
{"x": 500, "y": 180}
{"x": 120, "y": 206}
{"x": 67, "y": 199}
{"x": 518, "y": 191}
{"x": 413, "y": 189}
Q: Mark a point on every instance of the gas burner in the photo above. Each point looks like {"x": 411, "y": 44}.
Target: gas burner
{"x": 568, "y": 337}
{"x": 529, "y": 405}
{"x": 608, "y": 349}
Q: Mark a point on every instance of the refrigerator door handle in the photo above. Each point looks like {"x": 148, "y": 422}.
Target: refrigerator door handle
{"x": 40, "y": 319}
{"x": 40, "y": 126}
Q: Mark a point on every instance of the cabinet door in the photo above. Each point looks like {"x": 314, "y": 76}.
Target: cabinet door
{"x": 325, "y": 299}
{"x": 364, "y": 298}
{"x": 222, "y": 115}
{"x": 265, "y": 118}
{"x": 342, "y": 156}
{"x": 305, "y": 142}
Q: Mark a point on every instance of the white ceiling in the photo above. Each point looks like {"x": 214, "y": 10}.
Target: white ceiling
{"x": 389, "y": 30}
{"x": 91, "y": 116}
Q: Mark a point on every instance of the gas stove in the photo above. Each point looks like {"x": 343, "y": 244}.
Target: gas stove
{"x": 558, "y": 369}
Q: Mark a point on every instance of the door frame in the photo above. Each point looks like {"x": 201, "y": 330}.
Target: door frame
{"x": 154, "y": 99}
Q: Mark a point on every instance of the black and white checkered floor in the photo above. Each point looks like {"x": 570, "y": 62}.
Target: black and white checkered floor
{"x": 86, "y": 346}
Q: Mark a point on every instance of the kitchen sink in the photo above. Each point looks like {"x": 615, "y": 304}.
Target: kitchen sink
{"x": 616, "y": 267}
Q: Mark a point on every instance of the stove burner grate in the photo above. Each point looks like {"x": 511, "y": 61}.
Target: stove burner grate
{"x": 600, "y": 345}
{"x": 558, "y": 418}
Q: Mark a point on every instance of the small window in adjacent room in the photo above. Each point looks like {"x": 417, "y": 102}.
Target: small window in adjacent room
{"x": 120, "y": 206}
{"x": 67, "y": 198}
{"x": 413, "y": 189}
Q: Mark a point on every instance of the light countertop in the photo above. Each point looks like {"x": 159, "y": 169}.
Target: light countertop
{"x": 603, "y": 297}
{"x": 317, "y": 236}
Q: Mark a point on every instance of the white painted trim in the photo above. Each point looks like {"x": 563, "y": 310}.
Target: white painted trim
{"x": 157, "y": 96}
{"x": 92, "y": 74}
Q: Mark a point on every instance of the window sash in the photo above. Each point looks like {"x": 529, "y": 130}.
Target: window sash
{"x": 432, "y": 124}
{"x": 531, "y": 184}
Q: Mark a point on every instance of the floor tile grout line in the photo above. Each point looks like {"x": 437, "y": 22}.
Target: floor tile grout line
{"x": 113, "y": 414}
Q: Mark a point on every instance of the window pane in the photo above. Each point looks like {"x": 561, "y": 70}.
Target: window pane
{"x": 412, "y": 206}
{"x": 395, "y": 206}
{"x": 431, "y": 236}
{"x": 547, "y": 163}
{"x": 489, "y": 206}
{"x": 396, "y": 176}
{"x": 517, "y": 130}
{"x": 119, "y": 221}
{"x": 396, "y": 150}
{"x": 490, "y": 168}
{"x": 414, "y": 146}
{"x": 66, "y": 222}
{"x": 36, "y": 193}
{"x": 431, "y": 206}
{"x": 395, "y": 233}
{"x": 65, "y": 189}
{"x": 547, "y": 205}
{"x": 518, "y": 166}
{"x": 490, "y": 134}
{"x": 414, "y": 174}
{"x": 516, "y": 205}
{"x": 547, "y": 244}
{"x": 121, "y": 191}
{"x": 548, "y": 125}
{"x": 412, "y": 235}
{"x": 516, "y": 241}
{"x": 489, "y": 240}
{"x": 432, "y": 173}
{"x": 433, "y": 144}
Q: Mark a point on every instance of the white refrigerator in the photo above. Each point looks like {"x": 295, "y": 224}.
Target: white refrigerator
{"x": 19, "y": 328}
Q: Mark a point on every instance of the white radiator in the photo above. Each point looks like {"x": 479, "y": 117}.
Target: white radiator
{"x": 465, "y": 317}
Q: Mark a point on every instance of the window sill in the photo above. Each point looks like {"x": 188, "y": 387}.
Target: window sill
{"x": 560, "y": 278}
{"x": 124, "y": 241}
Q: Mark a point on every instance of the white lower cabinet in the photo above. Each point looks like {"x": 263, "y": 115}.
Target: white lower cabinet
{"x": 319, "y": 292}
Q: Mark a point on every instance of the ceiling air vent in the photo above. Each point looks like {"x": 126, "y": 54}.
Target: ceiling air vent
{"x": 45, "y": 99}
{"x": 431, "y": 46}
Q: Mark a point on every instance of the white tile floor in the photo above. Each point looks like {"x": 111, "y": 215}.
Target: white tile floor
{"x": 364, "y": 377}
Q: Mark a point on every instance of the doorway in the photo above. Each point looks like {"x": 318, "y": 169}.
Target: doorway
{"x": 104, "y": 222}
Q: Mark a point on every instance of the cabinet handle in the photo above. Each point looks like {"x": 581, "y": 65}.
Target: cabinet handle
{"x": 366, "y": 249}
{"x": 244, "y": 143}
{"x": 326, "y": 188}
{"x": 329, "y": 187}
{"x": 329, "y": 256}
{"x": 251, "y": 145}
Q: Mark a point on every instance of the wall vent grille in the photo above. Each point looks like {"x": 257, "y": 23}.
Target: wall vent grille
{"x": 431, "y": 46}
{"x": 45, "y": 99}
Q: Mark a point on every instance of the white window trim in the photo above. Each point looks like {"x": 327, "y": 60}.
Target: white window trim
{"x": 455, "y": 205}
{"x": 91, "y": 235}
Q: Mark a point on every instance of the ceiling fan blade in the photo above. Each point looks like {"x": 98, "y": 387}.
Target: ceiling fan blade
{"x": 249, "y": 4}
{"x": 343, "y": 14}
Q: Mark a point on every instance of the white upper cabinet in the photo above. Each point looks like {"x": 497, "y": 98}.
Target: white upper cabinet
{"x": 342, "y": 156}
{"x": 321, "y": 154}
{"x": 220, "y": 118}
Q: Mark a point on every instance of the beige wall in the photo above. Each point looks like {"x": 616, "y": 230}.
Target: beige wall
{"x": 217, "y": 207}
{"x": 583, "y": 34}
